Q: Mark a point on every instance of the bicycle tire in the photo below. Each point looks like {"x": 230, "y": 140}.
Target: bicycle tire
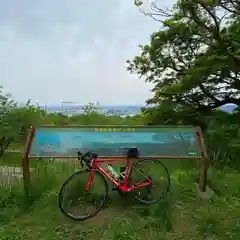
{"x": 168, "y": 180}
{"x": 67, "y": 182}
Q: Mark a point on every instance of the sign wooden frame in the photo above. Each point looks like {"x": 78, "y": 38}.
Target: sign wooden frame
{"x": 199, "y": 137}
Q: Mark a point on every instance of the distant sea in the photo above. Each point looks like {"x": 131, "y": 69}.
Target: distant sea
{"x": 122, "y": 110}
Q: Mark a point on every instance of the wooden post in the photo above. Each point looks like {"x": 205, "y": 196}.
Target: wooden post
{"x": 204, "y": 162}
{"x": 25, "y": 162}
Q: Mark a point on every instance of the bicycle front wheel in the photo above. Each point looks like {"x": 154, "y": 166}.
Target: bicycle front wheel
{"x": 75, "y": 202}
{"x": 159, "y": 175}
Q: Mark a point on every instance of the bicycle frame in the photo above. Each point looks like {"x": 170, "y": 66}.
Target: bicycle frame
{"x": 122, "y": 187}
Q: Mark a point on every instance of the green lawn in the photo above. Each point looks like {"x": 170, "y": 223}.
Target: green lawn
{"x": 180, "y": 216}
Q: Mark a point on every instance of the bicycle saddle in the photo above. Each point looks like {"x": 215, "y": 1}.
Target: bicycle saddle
{"x": 132, "y": 153}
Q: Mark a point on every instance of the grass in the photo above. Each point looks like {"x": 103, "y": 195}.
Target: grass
{"x": 11, "y": 159}
{"x": 180, "y": 216}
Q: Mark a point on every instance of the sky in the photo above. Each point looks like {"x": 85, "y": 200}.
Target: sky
{"x": 73, "y": 50}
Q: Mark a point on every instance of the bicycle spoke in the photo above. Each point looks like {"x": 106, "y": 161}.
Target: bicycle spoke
{"x": 75, "y": 203}
{"x": 157, "y": 173}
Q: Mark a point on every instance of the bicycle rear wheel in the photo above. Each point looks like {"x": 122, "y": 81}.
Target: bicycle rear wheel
{"x": 75, "y": 203}
{"x": 158, "y": 173}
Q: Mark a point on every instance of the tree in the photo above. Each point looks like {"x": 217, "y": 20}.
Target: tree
{"x": 7, "y": 123}
{"x": 15, "y": 121}
{"x": 91, "y": 108}
{"x": 24, "y": 117}
{"x": 193, "y": 61}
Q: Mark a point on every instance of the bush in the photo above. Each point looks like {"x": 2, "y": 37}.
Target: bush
{"x": 223, "y": 139}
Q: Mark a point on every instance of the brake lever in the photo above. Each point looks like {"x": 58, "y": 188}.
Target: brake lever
{"x": 79, "y": 157}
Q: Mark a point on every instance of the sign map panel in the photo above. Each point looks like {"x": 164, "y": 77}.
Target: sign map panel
{"x": 111, "y": 141}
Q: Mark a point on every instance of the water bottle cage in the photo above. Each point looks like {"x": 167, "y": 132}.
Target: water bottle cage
{"x": 122, "y": 174}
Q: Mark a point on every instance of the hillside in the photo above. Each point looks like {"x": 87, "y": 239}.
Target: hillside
{"x": 179, "y": 216}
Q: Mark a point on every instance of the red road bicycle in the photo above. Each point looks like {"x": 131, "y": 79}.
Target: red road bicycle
{"x": 78, "y": 191}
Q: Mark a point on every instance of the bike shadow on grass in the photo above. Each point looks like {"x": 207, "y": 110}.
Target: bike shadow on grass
{"x": 126, "y": 203}
{"x": 119, "y": 205}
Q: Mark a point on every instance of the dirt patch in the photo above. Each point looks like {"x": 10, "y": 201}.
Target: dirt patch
{"x": 182, "y": 223}
{"x": 103, "y": 216}
{"x": 99, "y": 221}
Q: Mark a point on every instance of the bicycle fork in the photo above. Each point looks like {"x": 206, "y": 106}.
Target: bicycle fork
{"x": 89, "y": 182}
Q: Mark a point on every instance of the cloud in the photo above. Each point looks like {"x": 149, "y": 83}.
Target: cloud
{"x": 72, "y": 50}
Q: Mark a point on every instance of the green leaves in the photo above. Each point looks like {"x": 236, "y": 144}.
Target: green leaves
{"x": 193, "y": 55}
{"x": 193, "y": 62}
{"x": 15, "y": 120}
{"x": 138, "y": 3}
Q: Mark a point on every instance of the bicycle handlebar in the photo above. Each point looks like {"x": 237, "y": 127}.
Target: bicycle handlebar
{"x": 86, "y": 158}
